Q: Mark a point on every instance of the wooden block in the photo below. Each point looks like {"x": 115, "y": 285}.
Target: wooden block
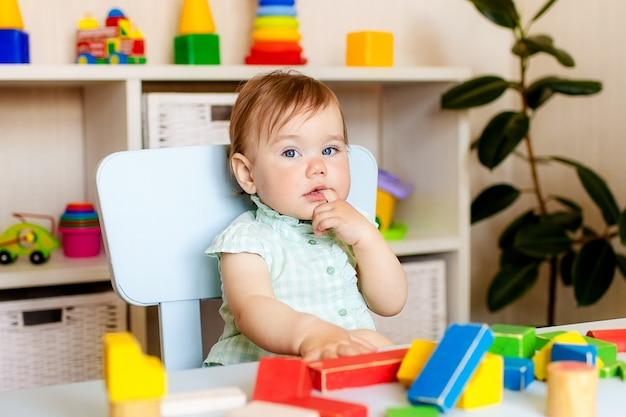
{"x": 513, "y": 340}
{"x": 571, "y": 389}
{"x": 541, "y": 359}
{"x": 451, "y": 365}
{"x": 414, "y": 361}
{"x": 264, "y": 408}
{"x": 617, "y": 336}
{"x": 356, "y": 371}
{"x": 327, "y": 407}
{"x": 413, "y": 411}
{"x": 135, "y": 408}
{"x": 202, "y": 401}
{"x": 582, "y": 353}
{"x": 282, "y": 378}
{"x": 607, "y": 351}
{"x": 486, "y": 385}
{"x": 518, "y": 373}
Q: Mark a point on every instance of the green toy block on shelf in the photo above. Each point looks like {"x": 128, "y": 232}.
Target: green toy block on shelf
{"x": 197, "y": 49}
{"x": 513, "y": 340}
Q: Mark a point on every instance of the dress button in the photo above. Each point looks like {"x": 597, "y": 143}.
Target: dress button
{"x": 330, "y": 270}
{"x": 312, "y": 242}
{"x": 343, "y": 312}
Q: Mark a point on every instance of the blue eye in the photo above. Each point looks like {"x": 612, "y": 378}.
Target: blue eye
{"x": 290, "y": 153}
{"x": 329, "y": 151}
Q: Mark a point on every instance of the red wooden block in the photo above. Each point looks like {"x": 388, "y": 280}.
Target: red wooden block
{"x": 328, "y": 407}
{"x": 356, "y": 371}
{"x": 281, "y": 379}
{"x": 617, "y": 336}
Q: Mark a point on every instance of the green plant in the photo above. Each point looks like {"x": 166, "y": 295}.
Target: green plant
{"x": 553, "y": 231}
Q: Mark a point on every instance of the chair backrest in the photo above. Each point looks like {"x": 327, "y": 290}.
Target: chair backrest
{"x": 159, "y": 210}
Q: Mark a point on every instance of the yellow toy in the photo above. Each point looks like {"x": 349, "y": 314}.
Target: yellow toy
{"x": 414, "y": 361}
{"x": 486, "y": 385}
{"x": 369, "y": 49}
{"x": 128, "y": 373}
{"x": 196, "y": 43}
{"x": 390, "y": 188}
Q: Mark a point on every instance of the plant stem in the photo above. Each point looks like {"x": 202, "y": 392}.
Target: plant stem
{"x": 540, "y": 199}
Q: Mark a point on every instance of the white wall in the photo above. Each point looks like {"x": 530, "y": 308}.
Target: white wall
{"x": 442, "y": 32}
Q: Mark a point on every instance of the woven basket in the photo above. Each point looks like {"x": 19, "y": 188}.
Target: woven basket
{"x": 424, "y": 316}
{"x": 56, "y": 340}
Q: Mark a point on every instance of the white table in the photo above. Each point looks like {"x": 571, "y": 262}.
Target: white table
{"x": 88, "y": 399}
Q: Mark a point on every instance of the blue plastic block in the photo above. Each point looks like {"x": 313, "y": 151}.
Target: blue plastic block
{"x": 14, "y": 47}
{"x": 518, "y": 373}
{"x": 568, "y": 352}
{"x": 451, "y": 365}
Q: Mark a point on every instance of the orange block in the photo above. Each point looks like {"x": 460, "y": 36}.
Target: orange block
{"x": 369, "y": 49}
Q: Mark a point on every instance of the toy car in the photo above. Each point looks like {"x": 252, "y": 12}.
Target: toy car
{"x": 27, "y": 239}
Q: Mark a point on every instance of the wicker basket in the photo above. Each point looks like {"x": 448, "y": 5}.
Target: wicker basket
{"x": 56, "y": 340}
{"x": 424, "y": 316}
{"x": 186, "y": 119}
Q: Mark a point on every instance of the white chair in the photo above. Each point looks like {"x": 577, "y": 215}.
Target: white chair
{"x": 159, "y": 210}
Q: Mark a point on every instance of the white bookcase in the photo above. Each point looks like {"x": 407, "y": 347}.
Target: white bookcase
{"x": 57, "y": 122}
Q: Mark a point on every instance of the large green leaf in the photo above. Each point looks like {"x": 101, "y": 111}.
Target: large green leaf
{"x": 541, "y": 90}
{"x": 543, "y": 240}
{"x": 570, "y": 220}
{"x": 593, "y": 271}
{"x": 507, "y": 237}
{"x": 622, "y": 227}
{"x": 493, "y": 200}
{"x": 597, "y": 189}
{"x": 510, "y": 284}
{"x": 501, "y": 136}
{"x": 541, "y": 43}
{"x": 474, "y": 92}
{"x": 500, "y": 12}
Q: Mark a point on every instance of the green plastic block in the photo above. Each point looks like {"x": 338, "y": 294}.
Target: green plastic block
{"x": 609, "y": 370}
{"x": 513, "y": 340}
{"x": 543, "y": 339}
{"x": 607, "y": 351}
{"x": 413, "y": 411}
{"x": 199, "y": 49}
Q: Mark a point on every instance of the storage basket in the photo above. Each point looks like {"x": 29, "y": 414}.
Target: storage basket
{"x": 56, "y": 340}
{"x": 186, "y": 119}
{"x": 424, "y": 316}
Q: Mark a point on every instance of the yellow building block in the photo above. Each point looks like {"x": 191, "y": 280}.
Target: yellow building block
{"x": 486, "y": 385}
{"x": 369, "y": 49}
{"x": 541, "y": 359}
{"x": 128, "y": 373}
{"x": 385, "y": 205}
{"x": 414, "y": 360}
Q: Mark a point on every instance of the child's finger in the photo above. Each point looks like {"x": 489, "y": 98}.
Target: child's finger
{"x": 330, "y": 194}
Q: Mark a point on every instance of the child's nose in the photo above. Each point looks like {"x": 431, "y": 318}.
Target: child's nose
{"x": 317, "y": 167}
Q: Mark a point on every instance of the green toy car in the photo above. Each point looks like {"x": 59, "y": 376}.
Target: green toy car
{"x": 27, "y": 239}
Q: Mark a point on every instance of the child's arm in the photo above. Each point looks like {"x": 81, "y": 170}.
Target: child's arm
{"x": 381, "y": 278}
{"x": 273, "y": 325}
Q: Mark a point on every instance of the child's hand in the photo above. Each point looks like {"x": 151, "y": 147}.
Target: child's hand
{"x": 338, "y": 215}
{"x": 333, "y": 344}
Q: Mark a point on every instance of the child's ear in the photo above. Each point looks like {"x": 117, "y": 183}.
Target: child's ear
{"x": 242, "y": 169}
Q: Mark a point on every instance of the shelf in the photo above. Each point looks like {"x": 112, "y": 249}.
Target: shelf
{"x": 59, "y": 270}
{"x": 12, "y": 75}
{"x": 414, "y": 246}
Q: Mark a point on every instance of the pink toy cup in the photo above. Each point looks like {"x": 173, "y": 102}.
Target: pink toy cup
{"x": 80, "y": 229}
{"x": 81, "y": 243}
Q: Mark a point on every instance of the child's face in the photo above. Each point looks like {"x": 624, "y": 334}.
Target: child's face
{"x": 306, "y": 155}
